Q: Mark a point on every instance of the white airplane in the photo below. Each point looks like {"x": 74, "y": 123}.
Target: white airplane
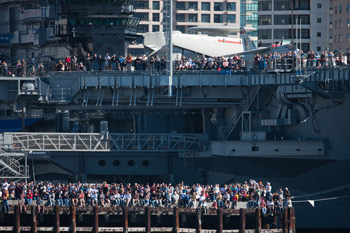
{"x": 215, "y": 44}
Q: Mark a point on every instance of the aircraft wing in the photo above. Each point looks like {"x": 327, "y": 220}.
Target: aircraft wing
{"x": 252, "y": 51}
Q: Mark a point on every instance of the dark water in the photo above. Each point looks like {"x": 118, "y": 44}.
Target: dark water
{"x": 323, "y": 230}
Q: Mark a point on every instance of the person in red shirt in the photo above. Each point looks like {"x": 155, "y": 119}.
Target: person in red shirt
{"x": 68, "y": 63}
{"x": 29, "y": 197}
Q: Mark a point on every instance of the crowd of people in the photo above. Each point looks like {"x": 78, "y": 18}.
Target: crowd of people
{"x": 156, "y": 195}
{"x": 293, "y": 60}
{"x": 115, "y": 63}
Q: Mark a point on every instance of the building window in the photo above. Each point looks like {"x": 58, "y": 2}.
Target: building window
{"x": 335, "y": 38}
{"x": 319, "y": 20}
{"x": 180, "y": 17}
{"x": 265, "y": 6}
{"x": 305, "y": 34}
{"x": 319, "y": 5}
{"x": 335, "y": 10}
{"x": 218, "y": 6}
{"x": 282, "y": 5}
{"x": 340, "y": 9}
{"x": 318, "y": 48}
{"x": 319, "y": 34}
{"x": 155, "y": 17}
{"x": 280, "y": 19}
{"x": 348, "y": 23}
{"x": 155, "y": 28}
{"x": 218, "y": 19}
{"x": 282, "y": 33}
{"x": 142, "y": 16}
{"x": 192, "y": 18}
{"x": 266, "y": 20}
{"x": 335, "y": 24}
{"x": 231, "y": 6}
{"x": 205, "y": 6}
{"x": 347, "y": 37}
{"x": 305, "y": 19}
{"x": 205, "y": 18}
{"x": 302, "y": 5}
{"x": 155, "y": 5}
{"x": 230, "y": 18}
{"x": 180, "y": 28}
{"x": 347, "y": 8}
{"x": 305, "y": 46}
{"x": 340, "y": 23}
{"x": 142, "y": 28}
{"x": 180, "y": 6}
{"x": 193, "y": 6}
{"x": 265, "y": 34}
{"x": 140, "y": 5}
{"x": 340, "y": 38}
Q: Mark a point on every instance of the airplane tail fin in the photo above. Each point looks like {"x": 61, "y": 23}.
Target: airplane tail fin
{"x": 247, "y": 43}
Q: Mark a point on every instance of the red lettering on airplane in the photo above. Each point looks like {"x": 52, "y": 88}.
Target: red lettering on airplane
{"x": 230, "y": 41}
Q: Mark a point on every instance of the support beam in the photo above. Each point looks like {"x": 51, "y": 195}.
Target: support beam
{"x": 242, "y": 221}
{"x": 176, "y": 221}
{"x": 198, "y": 220}
{"x": 17, "y": 225}
{"x": 258, "y": 220}
{"x": 34, "y": 219}
{"x": 95, "y": 226}
{"x": 57, "y": 219}
{"x": 148, "y": 219}
{"x": 285, "y": 220}
{"x": 125, "y": 219}
{"x": 220, "y": 221}
{"x": 73, "y": 214}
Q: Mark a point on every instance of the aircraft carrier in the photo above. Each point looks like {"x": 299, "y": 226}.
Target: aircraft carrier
{"x": 291, "y": 130}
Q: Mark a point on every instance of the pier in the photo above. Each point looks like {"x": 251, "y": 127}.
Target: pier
{"x": 145, "y": 219}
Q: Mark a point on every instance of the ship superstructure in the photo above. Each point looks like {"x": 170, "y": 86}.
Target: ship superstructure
{"x": 51, "y": 30}
{"x": 279, "y": 127}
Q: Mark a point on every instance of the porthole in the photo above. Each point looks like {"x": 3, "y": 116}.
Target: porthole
{"x": 131, "y": 163}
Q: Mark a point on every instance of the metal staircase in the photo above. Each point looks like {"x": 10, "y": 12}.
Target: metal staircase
{"x": 246, "y": 104}
{"x": 13, "y": 166}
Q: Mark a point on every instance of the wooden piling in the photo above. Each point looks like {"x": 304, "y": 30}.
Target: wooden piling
{"x": 293, "y": 219}
{"x": 290, "y": 220}
{"x": 57, "y": 219}
{"x": 198, "y": 220}
{"x": 285, "y": 220}
{"x": 34, "y": 219}
{"x": 73, "y": 214}
{"x": 17, "y": 225}
{"x": 125, "y": 219}
{"x": 95, "y": 226}
{"x": 148, "y": 219}
{"x": 258, "y": 220}
{"x": 220, "y": 220}
{"x": 242, "y": 221}
{"x": 176, "y": 220}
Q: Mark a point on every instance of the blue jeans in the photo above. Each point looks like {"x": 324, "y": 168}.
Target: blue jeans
{"x": 6, "y": 206}
{"x": 29, "y": 201}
